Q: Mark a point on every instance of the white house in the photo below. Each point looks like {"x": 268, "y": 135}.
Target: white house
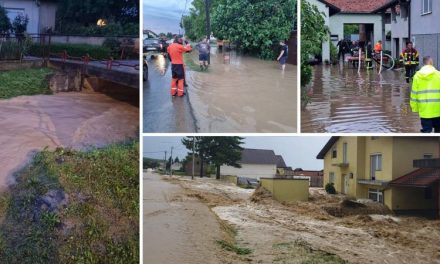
{"x": 41, "y": 13}
{"x": 255, "y": 163}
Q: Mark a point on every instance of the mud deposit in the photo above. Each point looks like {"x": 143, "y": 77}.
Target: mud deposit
{"x": 344, "y": 101}
{"x": 77, "y": 120}
{"x": 305, "y": 231}
{"x": 243, "y": 94}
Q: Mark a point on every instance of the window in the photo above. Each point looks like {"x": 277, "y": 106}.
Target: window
{"x": 374, "y": 138}
{"x": 332, "y": 177}
{"x": 334, "y": 153}
{"x": 344, "y": 153}
{"x": 427, "y": 156}
{"x": 375, "y": 195}
{"x": 426, "y": 7}
{"x": 428, "y": 193}
{"x": 375, "y": 165}
{"x": 12, "y": 13}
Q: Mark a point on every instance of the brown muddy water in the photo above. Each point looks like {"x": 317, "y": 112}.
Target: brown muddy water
{"x": 243, "y": 95}
{"x": 344, "y": 101}
{"x": 77, "y": 120}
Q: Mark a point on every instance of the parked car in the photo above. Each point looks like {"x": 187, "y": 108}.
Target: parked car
{"x": 155, "y": 45}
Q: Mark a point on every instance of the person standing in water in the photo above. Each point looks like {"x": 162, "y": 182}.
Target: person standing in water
{"x": 282, "y": 58}
{"x": 204, "y": 49}
{"x": 175, "y": 52}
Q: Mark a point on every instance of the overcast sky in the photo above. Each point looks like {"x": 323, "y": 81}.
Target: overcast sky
{"x": 296, "y": 151}
{"x": 164, "y": 16}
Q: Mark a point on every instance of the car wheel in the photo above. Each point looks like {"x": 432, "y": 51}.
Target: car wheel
{"x": 145, "y": 72}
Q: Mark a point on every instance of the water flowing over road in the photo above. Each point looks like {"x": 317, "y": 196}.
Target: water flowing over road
{"x": 344, "y": 101}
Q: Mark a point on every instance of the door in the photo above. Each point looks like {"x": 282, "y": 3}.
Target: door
{"x": 344, "y": 183}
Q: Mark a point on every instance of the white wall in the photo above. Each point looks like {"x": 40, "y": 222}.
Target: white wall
{"x": 325, "y": 45}
{"x": 337, "y": 22}
{"x": 255, "y": 171}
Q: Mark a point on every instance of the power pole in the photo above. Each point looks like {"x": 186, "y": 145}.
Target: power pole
{"x": 193, "y": 161}
{"x": 165, "y": 160}
{"x": 208, "y": 25}
{"x": 171, "y": 163}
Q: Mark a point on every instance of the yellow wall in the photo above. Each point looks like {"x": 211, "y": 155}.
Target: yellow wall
{"x": 384, "y": 146}
{"x": 287, "y": 190}
{"x": 411, "y": 199}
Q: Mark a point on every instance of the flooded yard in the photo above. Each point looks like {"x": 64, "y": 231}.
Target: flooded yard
{"x": 344, "y": 101}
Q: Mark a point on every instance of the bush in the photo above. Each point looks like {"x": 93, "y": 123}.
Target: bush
{"x": 10, "y": 50}
{"x": 333, "y": 53}
{"x": 114, "y": 45}
{"x": 330, "y": 188}
{"x": 75, "y": 50}
{"x": 5, "y": 24}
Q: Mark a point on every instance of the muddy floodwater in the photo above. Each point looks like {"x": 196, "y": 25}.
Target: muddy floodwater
{"x": 344, "y": 101}
{"x": 78, "y": 120}
{"x": 243, "y": 94}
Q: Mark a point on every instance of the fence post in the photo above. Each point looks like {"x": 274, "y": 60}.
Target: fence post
{"x": 381, "y": 60}
{"x": 359, "y": 61}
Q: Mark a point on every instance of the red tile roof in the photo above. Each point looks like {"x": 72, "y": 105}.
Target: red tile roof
{"x": 357, "y": 6}
{"x": 423, "y": 177}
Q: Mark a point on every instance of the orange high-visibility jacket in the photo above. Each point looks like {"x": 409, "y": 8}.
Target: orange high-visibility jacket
{"x": 378, "y": 47}
{"x": 176, "y": 51}
{"x": 409, "y": 57}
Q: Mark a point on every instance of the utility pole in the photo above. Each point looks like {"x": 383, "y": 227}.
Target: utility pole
{"x": 208, "y": 25}
{"x": 193, "y": 161}
{"x": 171, "y": 163}
{"x": 165, "y": 160}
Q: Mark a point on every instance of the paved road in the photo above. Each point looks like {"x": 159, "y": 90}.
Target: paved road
{"x": 162, "y": 112}
{"x": 177, "y": 229}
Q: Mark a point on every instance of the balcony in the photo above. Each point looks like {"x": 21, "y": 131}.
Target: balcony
{"x": 340, "y": 164}
{"x": 376, "y": 182}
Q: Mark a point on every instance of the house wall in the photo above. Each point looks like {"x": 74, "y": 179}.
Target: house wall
{"x": 384, "y": 146}
{"x": 255, "y": 171}
{"x": 47, "y": 14}
{"x": 425, "y": 30}
{"x": 411, "y": 199}
{"x": 337, "y": 22}
{"x": 30, "y": 8}
{"x": 399, "y": 31}
{"x": 326, "y": 44}
{"x": 287, "y": 190}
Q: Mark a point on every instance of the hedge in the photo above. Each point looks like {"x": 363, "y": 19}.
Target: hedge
{"x": 75, "y": 50}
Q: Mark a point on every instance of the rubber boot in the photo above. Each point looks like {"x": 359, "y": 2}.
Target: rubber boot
{"x": 173, "y": 87}
{"x": 180, "y": 88}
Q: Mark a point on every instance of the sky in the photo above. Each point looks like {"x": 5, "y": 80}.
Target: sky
{"x": 298, "y": 152}
{"x": 164, "y": 16}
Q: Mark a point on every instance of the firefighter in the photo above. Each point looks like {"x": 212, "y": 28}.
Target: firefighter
{"x": 425, "y": 96}
{"x": 410, "y": 59}
{"x": 378, "y": 47}
{"x": 175, "y": 52}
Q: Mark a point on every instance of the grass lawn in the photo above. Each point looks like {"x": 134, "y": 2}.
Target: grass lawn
{"x": 24, "y": 82}
{"x": 97, "y": 220}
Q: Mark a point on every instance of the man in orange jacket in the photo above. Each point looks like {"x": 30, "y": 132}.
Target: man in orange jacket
{"x": 175, "y": 52}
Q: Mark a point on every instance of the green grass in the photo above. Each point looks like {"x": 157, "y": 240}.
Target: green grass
{"x": 304, "y": 253}
{"x": 99, "y": 223}
{"x": 234, "y": 248}
{"x": 189, "y": 62}
{"x": 24, "y": 82}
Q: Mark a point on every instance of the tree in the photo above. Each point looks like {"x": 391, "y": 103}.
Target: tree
{"x": 201, "y": 146}
{"x": 225, "y": 151}
{"x": 5, "y": 24}
{"x": 256, "y": 26}
{"x": 19, "y": 25}
{"x": 313, "y": 33}
{"x": 176, "y": 160}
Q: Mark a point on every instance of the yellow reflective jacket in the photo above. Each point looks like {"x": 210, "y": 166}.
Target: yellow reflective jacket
{"x": 425, "y": 92}
{"x": 409, "y": 57}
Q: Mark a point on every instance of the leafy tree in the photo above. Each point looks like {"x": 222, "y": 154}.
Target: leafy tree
{"x": 256, "y": 26}
{"x": 225, "y": 151}
{"x": 313, "y": 33}
{"x": 176, "y": 160}
{"x": 5, "y": 24}
{"x": 195, "y": 23}
{"x": 201, "y": 146}
{"x": 19, "y": 25}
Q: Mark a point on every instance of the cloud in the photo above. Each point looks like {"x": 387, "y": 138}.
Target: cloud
{"x": 164, "y": 16}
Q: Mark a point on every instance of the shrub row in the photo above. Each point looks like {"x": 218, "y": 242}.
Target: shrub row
{"x": 75, "y": 50}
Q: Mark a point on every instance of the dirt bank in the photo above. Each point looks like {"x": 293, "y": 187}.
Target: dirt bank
{"x": 77, "y": 120}
{"x": 305, "y": 231}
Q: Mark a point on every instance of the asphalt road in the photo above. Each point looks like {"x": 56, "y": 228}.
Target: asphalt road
{"x": 162, "y": 112}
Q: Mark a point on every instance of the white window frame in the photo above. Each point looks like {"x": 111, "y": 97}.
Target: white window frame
{"x": 426, "y": 9}
{"x": 378, "y": 157}
{"x": 378, "y": 193}
{"x": 331, "y": 177}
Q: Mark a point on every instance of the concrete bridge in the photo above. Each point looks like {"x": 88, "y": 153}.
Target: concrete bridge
{"x": 124, "y": 72}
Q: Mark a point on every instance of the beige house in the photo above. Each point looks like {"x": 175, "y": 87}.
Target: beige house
{"x": 369, "y": 167}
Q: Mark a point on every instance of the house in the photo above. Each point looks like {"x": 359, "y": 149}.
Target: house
{"x": 316, "y": 178}
{"x": 425, "y": 28}
{"x": 399, "y": 24}
{"x": 197, "y": 164}
{"x": 176, "y": 166}
{"x": 41, "y": 13}
{"x": 255, "y": 164}
{"x": 381, "y": 169}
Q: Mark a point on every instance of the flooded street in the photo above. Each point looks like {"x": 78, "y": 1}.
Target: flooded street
{"x": 245, "y": 95}
{"x": 344, "y": 101}
{"x": 177, "y": 228}
{"x": 162, "y": 112}
{"x": 78, "y": 120}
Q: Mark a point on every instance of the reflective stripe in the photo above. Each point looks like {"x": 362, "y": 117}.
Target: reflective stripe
{"x": 426, "y": 91}
{"x": 426, "y": 100}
